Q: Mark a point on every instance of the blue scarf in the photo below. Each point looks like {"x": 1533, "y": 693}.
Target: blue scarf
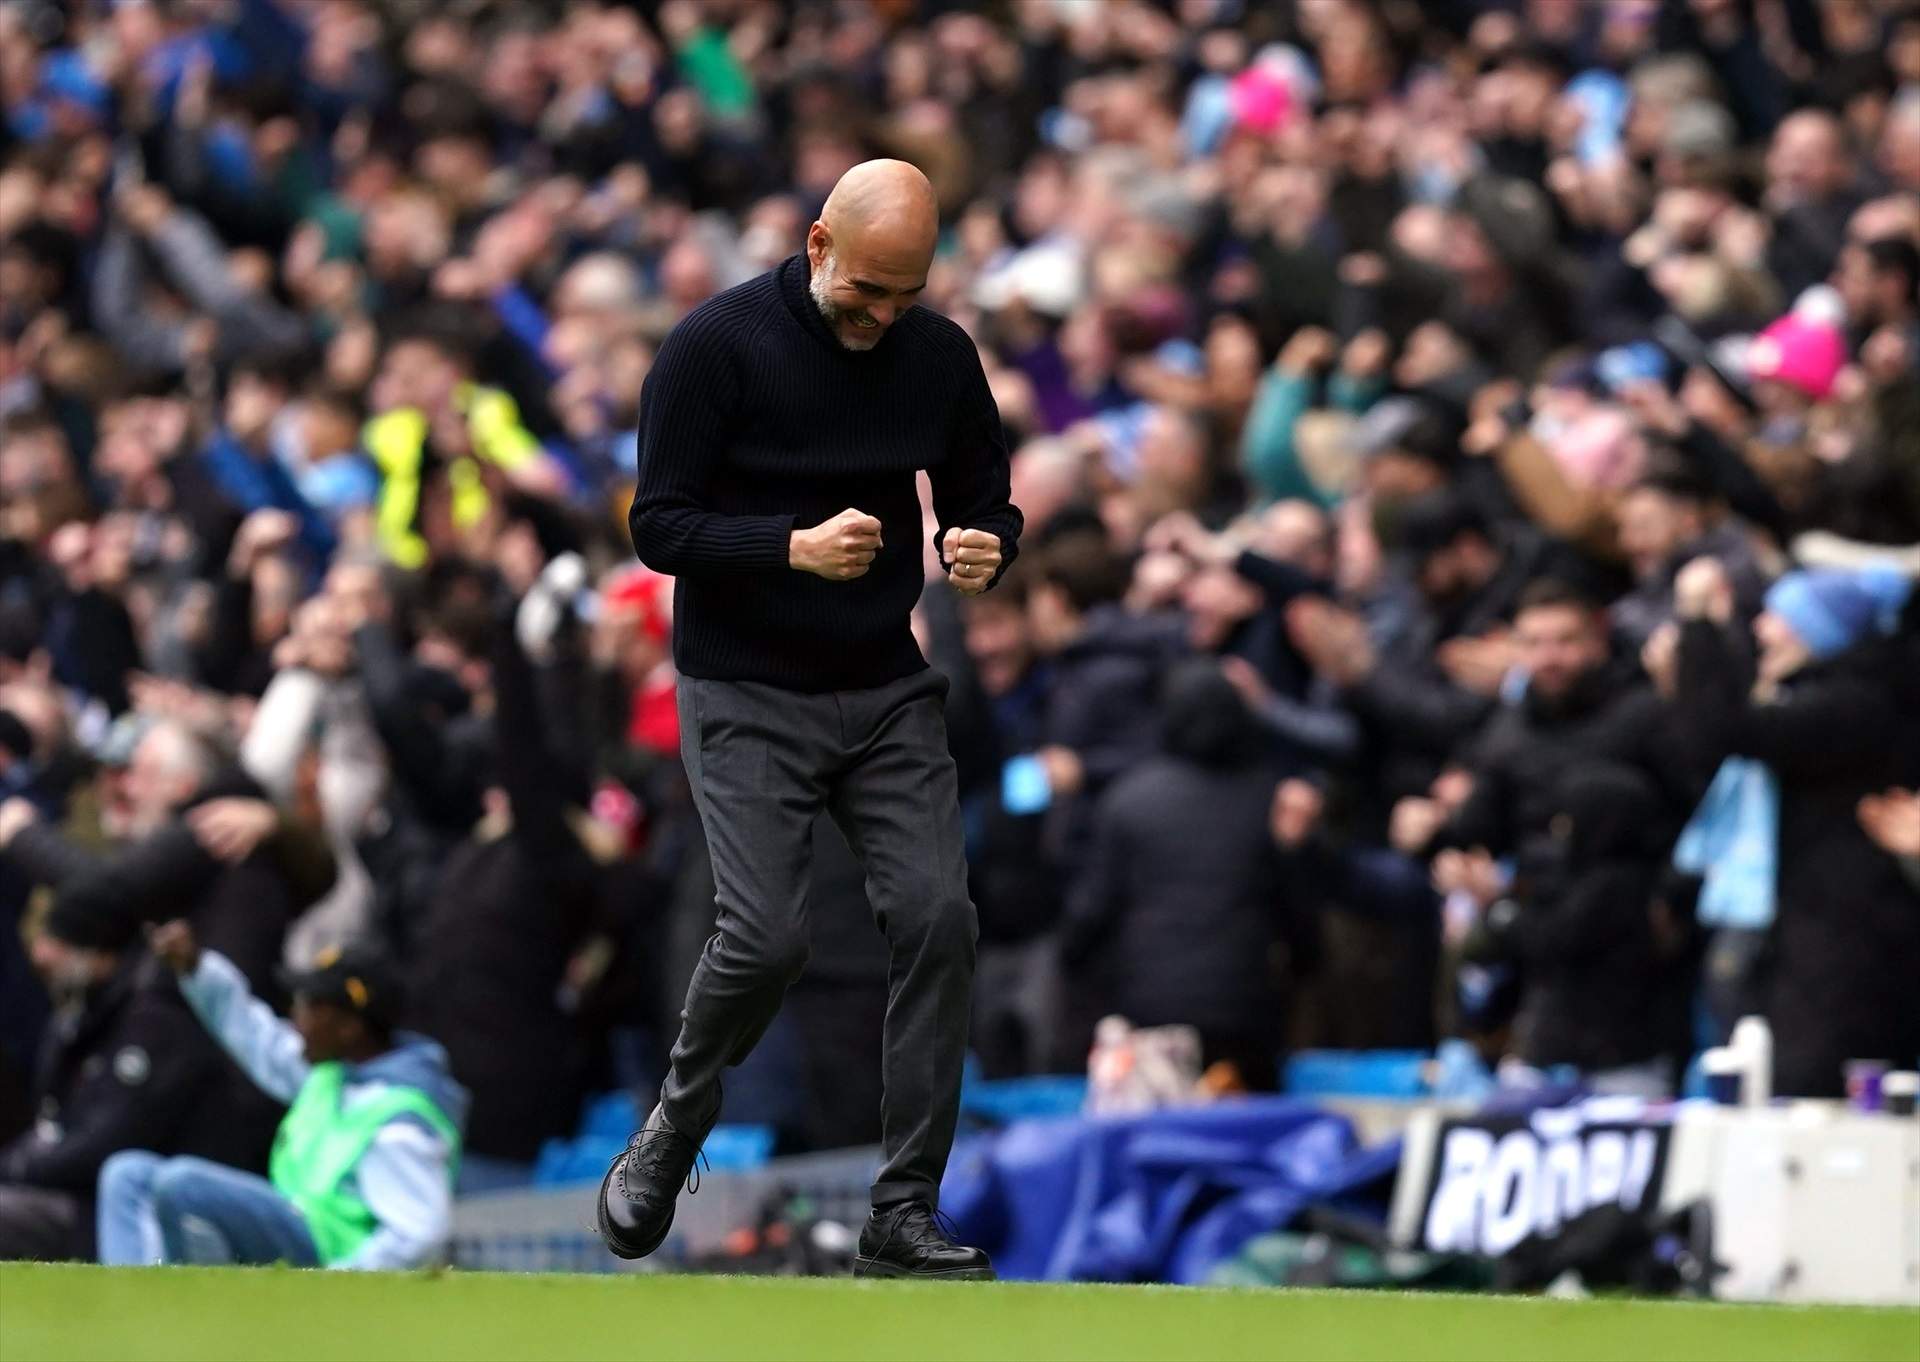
{"x": 1733, "y": 840}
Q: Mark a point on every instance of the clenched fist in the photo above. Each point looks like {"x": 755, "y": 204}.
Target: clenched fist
{"x": 972, "y": 556}
{"x": 175, "y": 945}
{"x": 839, "y": 549}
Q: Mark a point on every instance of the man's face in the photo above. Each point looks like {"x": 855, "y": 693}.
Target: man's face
{"x": 1558, "y": 645}
{"x": 1806, "y": 160}
{"x": 276, "y": 591}
{"x": 1441, "y": 578}
{"x": 1457, "y": 569}
{"x": 327, "y": 1029}
{"x": 25, "y": 282}
{"x": 252, "y": 403}
{"x": 999, "y": 642}
{"x": 1217, "y": 600}
{"x": 1050, "y": 617}
{"x": 862, "y": 289}
{"x": 359, "y": 592}
{"x": 1298, "y": 533}
{"x": 1652, "y": 526}
{"x": 1170, "y": 450}
{"x": 1854, "y": 280}
{"x": 152, "y": 786}
{"x": 415, "y": 374}
{"x": 454, "y": 165}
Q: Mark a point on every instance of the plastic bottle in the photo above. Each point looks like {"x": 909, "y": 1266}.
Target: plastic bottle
{"x": 1753, "y": 1042}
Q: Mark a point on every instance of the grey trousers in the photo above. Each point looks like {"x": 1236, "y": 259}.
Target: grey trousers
{"x": 763, "y": 762}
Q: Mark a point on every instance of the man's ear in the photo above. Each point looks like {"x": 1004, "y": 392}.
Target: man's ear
{"x": 819, "y": 244}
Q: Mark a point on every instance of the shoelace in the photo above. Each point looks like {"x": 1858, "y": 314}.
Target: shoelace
{"x": 646, "y": 1145}
{"x": 936, "y": 1216}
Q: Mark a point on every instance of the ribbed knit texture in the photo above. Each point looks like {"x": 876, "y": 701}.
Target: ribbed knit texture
{"x": 755, "y": 421}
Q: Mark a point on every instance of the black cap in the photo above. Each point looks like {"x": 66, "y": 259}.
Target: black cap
{"x": 358, "y": 976}
{"x": 87, "y": 912}
{"x": 1432, "y": 522}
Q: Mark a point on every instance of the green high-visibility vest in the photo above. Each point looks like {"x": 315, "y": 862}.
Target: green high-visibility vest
{"x": 319, "y": 1144}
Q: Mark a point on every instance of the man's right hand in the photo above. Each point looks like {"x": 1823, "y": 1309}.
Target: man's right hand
{"x": 839, "y": 549}
{"x": 1414, "y": 824}
{"x": 16, "y": 814}
{"x": 174, "y": 944}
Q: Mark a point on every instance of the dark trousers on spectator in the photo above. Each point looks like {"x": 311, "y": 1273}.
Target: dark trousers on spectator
{"x": 763, "y": 762}
{"x": 44, "y": 1224}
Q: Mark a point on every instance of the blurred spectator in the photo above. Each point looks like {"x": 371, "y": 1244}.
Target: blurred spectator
{"x": 168, "y": 296}
{"x": 194, "y": 838}
{"x": 1810, "y": 721}
{"x": 124, "y": 1065}
{"x": 363, "y": 1164}
{"x": 510, "y": 905}
{"x": 1599, "y": 990}
{"x": 1571, "y": 711}
{"x": 1180, "y": 889}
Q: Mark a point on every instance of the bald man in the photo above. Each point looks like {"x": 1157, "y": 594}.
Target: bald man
{"x": 782, "y": 429}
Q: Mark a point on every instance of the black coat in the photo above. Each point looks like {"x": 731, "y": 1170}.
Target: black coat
{"x": 1845, "y": 951}
{"x": 505, "y": 916}
{"x": 1528, "y": 749}
{"x": 1416, "y": 718}
{"x": 132, "y": 1068}
{"x": 1179, "y": 900}
{"x": 495, "y": 942}
{"x": 1598, "y": 989}
{"x": 1103, "y": 702}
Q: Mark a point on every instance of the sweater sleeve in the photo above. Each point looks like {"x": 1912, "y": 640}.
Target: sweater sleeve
{"x": 684, "y": 409}
{"x": 281, "y": 725}
{"x": 1266, "y": 445}
{"x": 972, "y": 488}
{"x": 142, "y": 338}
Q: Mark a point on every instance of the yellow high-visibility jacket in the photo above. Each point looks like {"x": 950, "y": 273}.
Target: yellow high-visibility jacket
{"x": 397, "y": 442}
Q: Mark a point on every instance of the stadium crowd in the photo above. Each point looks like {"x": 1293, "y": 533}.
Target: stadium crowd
{"x": 1470, "y": 454}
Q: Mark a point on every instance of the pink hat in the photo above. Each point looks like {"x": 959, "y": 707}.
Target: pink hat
{"x": 1262, "y": 99}
{"x": 1800, "y": 352}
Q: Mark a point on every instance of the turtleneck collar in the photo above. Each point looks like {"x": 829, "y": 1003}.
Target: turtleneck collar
{"x": 795, "y": 275}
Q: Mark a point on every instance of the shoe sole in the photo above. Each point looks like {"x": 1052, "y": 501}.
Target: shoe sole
{"x": 874, "y": 1267}
{"x": 609, "y": 1236}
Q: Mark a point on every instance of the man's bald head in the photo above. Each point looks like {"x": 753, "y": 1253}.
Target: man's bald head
{"x": 889, "y": 202}
{"x": 1808, "y": 158}
{"x": 871, "y": 248}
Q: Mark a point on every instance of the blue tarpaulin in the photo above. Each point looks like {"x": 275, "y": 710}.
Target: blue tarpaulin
{"x": 1159, "y": 1197}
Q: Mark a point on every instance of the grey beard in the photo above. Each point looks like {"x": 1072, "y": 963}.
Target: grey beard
{"x": 830, "y": 310}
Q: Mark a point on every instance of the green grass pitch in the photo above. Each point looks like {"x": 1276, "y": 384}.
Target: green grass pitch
{"x": 58, "y": 1313}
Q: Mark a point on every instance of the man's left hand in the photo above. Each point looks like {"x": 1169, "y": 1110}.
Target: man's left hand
{"x": 230, "y": 829}
{"x": 16, "y": 814}
{"x": 973, "y": 557}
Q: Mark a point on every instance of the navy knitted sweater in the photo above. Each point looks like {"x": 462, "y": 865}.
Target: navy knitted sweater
{"x": 755, "y": 421}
